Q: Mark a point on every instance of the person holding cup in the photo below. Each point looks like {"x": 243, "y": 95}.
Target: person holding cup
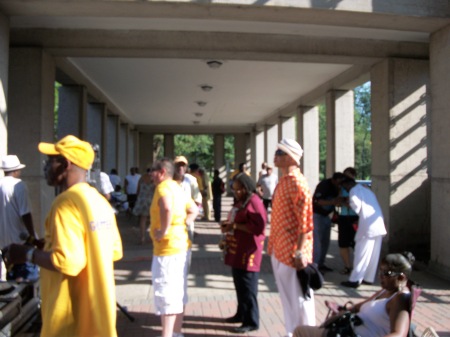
{"x": 244, "y": 244}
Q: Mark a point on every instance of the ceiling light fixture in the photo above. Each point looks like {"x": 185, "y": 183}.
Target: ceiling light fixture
{"x": 198, "y": 114}
{"x": 206, "y": 87}
{"x": 214, "y": 64}
{"x": 196, "y": 122}
{"x": 201, "y": 103}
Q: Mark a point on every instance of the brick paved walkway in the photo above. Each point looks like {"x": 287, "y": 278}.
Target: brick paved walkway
{"x": 212, "y": 296}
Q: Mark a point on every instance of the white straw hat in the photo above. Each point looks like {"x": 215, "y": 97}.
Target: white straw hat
{"x": 11, "y": 163}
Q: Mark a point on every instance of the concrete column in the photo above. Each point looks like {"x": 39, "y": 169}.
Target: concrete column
{"x": 340, "y": 130}
{"x": 242, "y": 150}
{"x": 112, "y": 141}
{"x": 31, "y": 120}
{"x": 72, "y": 111}
{"x": 169, "y": 145}
{"x": 440, "y": 148}
{"x": 104, "y": 128}
{"x": 308, "y": 136}
{"x": 145, "y": 150}
{"x": 259, "y": 153}
{"x": 136, "y": 151}
{"x": 399, "y": 151}
{"x": 4, "y": 63}
{"x": 272, "y": 139}
{"x": 219, "y": 154}
{"x": 94, "y": 121}
{"x": 255, "y": 169}
{"x": 123, "y": 164}
{"x": 287, "y": 128}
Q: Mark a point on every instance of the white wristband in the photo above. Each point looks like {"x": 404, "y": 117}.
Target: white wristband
{"x": 298, "y": 254}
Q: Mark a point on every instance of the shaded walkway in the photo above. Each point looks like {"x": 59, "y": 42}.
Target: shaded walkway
{"x": 212, "y": 296}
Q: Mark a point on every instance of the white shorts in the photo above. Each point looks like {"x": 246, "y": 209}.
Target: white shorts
{"x": 169, "y": 276}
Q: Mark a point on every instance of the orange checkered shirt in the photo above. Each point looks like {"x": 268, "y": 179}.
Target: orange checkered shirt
{"x": 291, "y": 217}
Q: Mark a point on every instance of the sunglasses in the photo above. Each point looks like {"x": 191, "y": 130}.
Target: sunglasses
{"x": 388, "y": 273}
{"x": 280, "y": 153}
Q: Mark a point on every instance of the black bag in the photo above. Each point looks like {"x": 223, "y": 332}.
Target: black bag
{"x": 342, "y": 325}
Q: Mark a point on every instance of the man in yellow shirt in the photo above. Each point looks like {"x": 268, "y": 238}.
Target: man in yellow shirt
{"x": 81, "y": 243}
{"x": 171, "y": 212}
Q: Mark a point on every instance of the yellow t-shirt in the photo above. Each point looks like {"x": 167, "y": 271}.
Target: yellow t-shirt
{"x": 176, "y": 240}
{"x": 82, "y": 235}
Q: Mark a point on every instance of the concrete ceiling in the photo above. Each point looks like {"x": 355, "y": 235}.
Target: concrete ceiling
{"x": 148, "y": 60}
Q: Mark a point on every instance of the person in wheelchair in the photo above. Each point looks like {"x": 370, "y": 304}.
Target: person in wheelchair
{"x": 385, "y": 313}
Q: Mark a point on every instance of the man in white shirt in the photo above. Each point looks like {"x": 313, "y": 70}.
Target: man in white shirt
{"x": 267, "y": 183}
{"x": 369, "y": 235}
{"x": 16, "y": 223}
{"x": 131, "y": 187}
{"x": 189, "y": 185}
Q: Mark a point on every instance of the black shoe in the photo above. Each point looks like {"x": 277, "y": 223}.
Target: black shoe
{"x": 350, "y": 284}
{"x": 233, "y": 319}
{"x": 245, "y": 328}
{"x": 367, "y": 283}
{"x": 324, "y": 268}
{"x": 346, "y": 271}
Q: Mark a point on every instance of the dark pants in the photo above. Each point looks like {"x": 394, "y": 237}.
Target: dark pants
{"x": 217, "y": 207}
{"x": 267, "y": 203}
{"x": 246, "y": 284}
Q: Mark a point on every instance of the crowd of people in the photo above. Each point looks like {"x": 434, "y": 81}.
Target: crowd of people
{"x": 82, "y": 240}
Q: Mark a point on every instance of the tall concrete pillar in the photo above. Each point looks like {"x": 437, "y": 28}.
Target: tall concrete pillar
{"x": 340, "y": 131}
{"x": 255, "y": 169}
{"x": 145, "y": 150}
{"x": 400, "y": 151}
{"x": 272, "y": 138}
{"x": 135, "y": 148}
{"x": 4, "y": 62}
{"x": 169, "y": 145}
{"x": 260, "y": 153}
{"x": 440, "y": 148}
{"x": 123, "y": 164}
{"x": 219, "y": 154}
{"x": 94, "y": 124}
{"x": 308, "y": 136}
{"x": 31, "y": 120}
{"x": 240, "y": 150}
{"x": 72, "y": 111}
{"x": 112, "y": 140}
{"x": 287, "y": 128}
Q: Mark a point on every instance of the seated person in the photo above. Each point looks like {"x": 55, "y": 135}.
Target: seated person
{"x": 386, "y": 313}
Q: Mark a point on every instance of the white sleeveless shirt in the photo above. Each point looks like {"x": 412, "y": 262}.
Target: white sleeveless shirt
{"x": 376, "y": 322}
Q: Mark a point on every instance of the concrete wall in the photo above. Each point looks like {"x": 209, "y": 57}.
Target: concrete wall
{"x": 400, "y": 112}
{"x": 440, "y": 149}
{"x": 30, "y": 120}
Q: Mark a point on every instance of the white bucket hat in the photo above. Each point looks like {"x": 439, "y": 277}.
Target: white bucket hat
{"x": 11, "y": 163}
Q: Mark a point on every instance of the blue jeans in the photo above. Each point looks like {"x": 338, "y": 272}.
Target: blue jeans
{"x": 27, "y": 271}
{"x": 321, "y": 234}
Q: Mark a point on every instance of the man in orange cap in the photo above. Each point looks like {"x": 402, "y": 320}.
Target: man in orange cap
{"x": 81, "y": 243}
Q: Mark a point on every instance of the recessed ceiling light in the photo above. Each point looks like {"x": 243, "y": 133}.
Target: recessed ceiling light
{"x": 214, "y": 64}
{"x": 195, "y": 122}
{"x": 201, "y": 103}
{"x": 198, "y": 114}
{"x": 206, "y": 87}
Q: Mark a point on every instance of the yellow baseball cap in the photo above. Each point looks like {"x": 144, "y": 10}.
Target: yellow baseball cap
{"x": 70, "y": 147}
{"x": 180, "y": 159}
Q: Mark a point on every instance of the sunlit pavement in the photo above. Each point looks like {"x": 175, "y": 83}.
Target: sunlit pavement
{"x": 212, "y": 295}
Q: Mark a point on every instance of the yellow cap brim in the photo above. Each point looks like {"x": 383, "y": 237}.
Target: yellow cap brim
{"x": 48, "y": 149}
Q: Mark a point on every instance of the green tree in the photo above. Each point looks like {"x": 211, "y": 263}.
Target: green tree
{"x": 363, "y": 128}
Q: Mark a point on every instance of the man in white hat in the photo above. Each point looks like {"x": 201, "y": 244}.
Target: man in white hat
{"x": 16, "y": 222}
{"x": 189, "y": 185}
{"x": 291, "y": 236}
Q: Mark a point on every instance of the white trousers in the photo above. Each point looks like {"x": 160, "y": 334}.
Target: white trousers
{"x": 296, "y": 309}
{"x": 365, "y": 261}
